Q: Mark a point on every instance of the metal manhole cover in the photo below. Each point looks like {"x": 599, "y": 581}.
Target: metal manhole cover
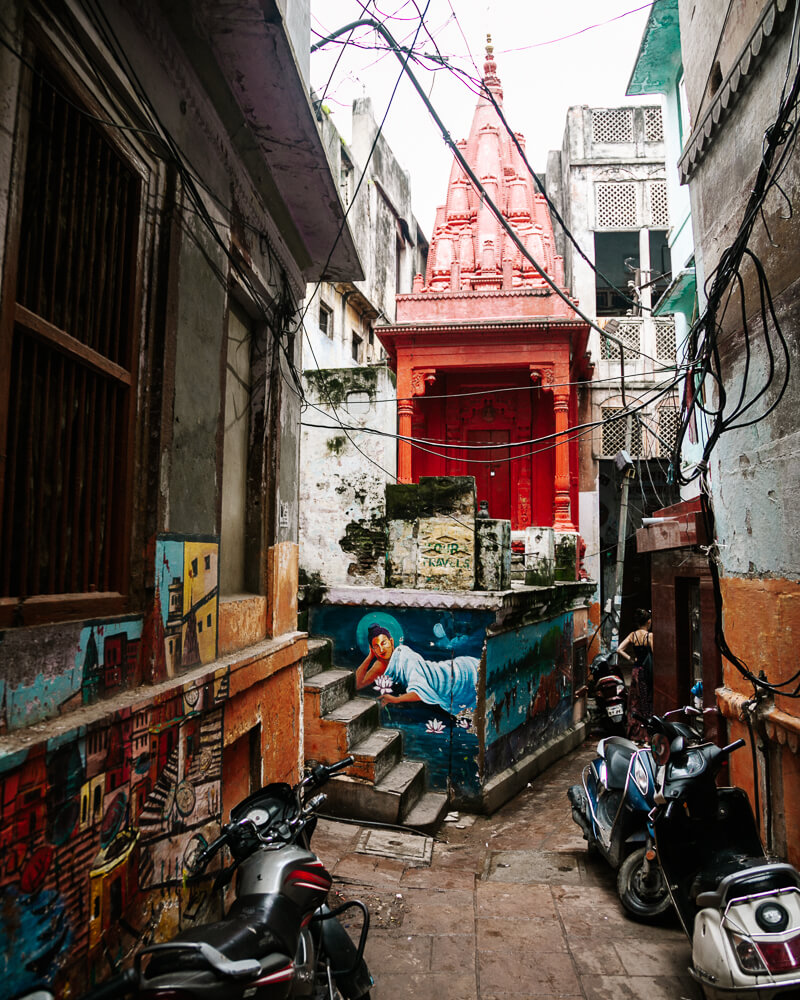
{"x": 393, "y": 844}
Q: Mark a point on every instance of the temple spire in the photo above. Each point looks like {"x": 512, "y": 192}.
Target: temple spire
{"x": 490, "y": 77}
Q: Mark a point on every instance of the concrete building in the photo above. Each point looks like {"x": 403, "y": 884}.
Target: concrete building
{"x": 608, "y": 184}
{"x": 684, "y": 614}
{"x": 165, "y": 199}
{"x": 343, "y": 474}
{"x": 738, "y": 70}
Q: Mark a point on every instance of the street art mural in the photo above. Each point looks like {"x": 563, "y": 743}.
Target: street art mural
{"x": 423, "y": 666}
{"x": 186, "y": 598}
{"x": 529, "y": 687}
{"x": 96, "y": 825}
{"x": 92, "y": 822}
{"x": 57, "y": 669}
{"x": 457, "y": 687}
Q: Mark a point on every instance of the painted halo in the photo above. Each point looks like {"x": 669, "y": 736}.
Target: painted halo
{"x": 392, "y": 626}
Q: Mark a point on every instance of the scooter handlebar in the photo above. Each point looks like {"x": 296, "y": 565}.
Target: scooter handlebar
{"x": 736, "y": 745}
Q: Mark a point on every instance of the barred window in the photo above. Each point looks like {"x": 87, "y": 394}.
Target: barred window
{"x": 653, "y": 125}
{"x": 66, "y": 397}
{"x": 612, "y": 125}
{"x": 629, "y": 331}
{"x": 617, "y": 205}
{"x": 665, "y": 339}
{"x": 613, "y": 436}
{"x": 659, "y": 209}
{"x": 669, "y": 417}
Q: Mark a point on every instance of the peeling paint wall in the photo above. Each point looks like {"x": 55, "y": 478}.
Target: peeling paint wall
{"x": 342, "y": 504}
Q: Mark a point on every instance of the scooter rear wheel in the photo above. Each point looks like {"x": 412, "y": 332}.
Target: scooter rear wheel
{"x": 643, "y": 894}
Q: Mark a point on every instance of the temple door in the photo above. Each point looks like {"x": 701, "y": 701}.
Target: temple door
{"x": 493, "y": 474}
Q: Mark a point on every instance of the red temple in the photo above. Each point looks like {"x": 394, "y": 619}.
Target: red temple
{"x": 485, "y": 352}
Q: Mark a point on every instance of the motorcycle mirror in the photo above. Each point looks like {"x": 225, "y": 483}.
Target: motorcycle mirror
{"x": 678, "y": 744}
{"x": 659, "y": 744}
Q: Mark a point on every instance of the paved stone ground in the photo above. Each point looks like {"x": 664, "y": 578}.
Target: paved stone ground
{"x": 509, "y": 907}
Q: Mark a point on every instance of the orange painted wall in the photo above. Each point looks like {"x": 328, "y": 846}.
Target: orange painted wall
{"x": 762, "y": 623}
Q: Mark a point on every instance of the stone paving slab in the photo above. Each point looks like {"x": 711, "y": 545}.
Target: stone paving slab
{"x": 510, "y": 908}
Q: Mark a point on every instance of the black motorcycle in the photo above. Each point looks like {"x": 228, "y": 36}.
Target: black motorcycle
{"x": 279, "y": 939}
{"x": 607, "y": 687}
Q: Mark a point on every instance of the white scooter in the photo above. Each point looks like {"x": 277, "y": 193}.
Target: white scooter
{"x": 740, "y": 909}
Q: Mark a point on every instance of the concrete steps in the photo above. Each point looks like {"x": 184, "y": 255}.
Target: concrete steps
{"x": 381, "y": 785}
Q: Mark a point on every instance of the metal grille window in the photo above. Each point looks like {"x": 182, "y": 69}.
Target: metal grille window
{"x": 66, "y": 397}
{"x": 653, "y": 125}
{"x": 617, "y": 205}
{"x": 613, "y": 439}
{"x": 613, "y": 125}
{"x": 659, "y": 210}
{"x": 668, "y": 423}
{"x": 629, "y": 331}
{"x": 665, "y": 339}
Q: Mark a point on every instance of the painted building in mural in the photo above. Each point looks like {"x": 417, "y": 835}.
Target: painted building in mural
{"x": 166, "y": 199}
{"x": 488, "y": 356}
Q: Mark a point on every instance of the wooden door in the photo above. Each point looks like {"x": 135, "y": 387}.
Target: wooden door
{"x": 493, "y": 471}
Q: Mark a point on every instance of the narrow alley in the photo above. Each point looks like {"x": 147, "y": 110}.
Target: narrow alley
{"x": 510, "y": 905}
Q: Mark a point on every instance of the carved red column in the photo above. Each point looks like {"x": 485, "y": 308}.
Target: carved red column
{"x": 562, "y": 520}
{"x": 407, "y": 390}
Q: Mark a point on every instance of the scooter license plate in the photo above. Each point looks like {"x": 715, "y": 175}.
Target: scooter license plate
{"x": 615, "y": 711}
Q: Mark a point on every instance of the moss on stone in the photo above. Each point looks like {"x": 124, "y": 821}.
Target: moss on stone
{"x": 335, "y": 445}
{"x": 402, "y": 502}
{"x": 332, "y": 386}
{"x": 367, "y": 542}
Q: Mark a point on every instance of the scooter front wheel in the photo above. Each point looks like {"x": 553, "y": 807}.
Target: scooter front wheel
{"x": 642, "y": 888}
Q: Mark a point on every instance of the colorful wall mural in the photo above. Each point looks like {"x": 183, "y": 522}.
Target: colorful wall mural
{"x": 424, "y": 666}
{"x": 96, "y": 823}
{"x": 529, "y": 687}
{"x": 52, "y": 670}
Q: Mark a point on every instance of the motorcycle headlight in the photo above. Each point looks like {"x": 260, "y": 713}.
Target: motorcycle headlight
{"x": 693, "y": 763}
{"x": 640, "y": 775}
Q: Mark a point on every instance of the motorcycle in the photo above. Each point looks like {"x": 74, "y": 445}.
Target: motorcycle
{"x": 612, "y": 806}
{"x": 607, "y": 686}
{"x": 739, "y": 908}
{"x": 279, "y": 939}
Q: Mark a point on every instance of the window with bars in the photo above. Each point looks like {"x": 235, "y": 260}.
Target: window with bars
{"x": 66, "y": 395}
{"x": 653, "y": 125}
{"x": 617, "y": 206}
{"x": 629, "y": 331}
{"x": 669, "y": 417}
{"x": 613, "y": 125}
{"x": 659, "y": 210}
{"x": 665, "y": 339}
{"x": 613, "y": 432}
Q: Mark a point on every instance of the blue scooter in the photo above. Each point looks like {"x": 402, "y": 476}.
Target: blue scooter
{"x": 612, "y": 806}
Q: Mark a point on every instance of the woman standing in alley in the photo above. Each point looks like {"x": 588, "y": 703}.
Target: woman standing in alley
{"x": 637, "y": 648}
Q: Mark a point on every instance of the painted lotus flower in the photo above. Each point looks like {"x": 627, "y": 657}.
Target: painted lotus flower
{"x": 434, "y": 726}
{"x": 464, "y": 722}
{"x": 384, "y": 684}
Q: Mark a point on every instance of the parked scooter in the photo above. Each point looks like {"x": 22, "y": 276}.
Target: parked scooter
{"x": 279, "y": 940}
{"x": 607, "y": 686}
{"x": 611, "y": 806}
{"x": 740, "y": 909}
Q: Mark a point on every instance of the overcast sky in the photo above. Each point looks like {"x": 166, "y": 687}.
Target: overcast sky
{"x": 542, "y": 72}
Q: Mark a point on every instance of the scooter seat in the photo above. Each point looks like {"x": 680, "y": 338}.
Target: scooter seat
{"x": 744, "y": 876}
{"x": 618, "y": 753}
{"x": 237, "y": 940}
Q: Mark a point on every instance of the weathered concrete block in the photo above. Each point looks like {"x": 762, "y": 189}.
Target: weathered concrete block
{"x": 539, "y": 557}
{"x": 446, "y": 559}
{"x": 443, "y": 495}
{"x": 401, "y": 554}
{"x": 402, "y": 501}
{"x": 566, "y": 553}
{"x": 493, "y": 554}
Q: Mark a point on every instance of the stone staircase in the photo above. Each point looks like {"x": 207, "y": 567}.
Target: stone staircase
{"x": 381, "y": 786}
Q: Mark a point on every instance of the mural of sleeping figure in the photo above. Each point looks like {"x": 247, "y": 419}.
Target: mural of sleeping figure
{"x": 450, "y": 684}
